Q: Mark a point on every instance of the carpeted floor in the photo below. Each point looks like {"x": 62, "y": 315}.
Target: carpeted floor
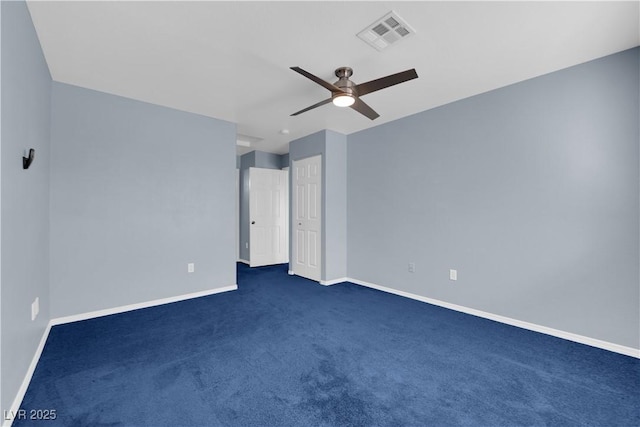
{"x": 285, "y": 351}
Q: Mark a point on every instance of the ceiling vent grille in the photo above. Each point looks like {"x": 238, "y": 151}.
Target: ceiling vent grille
{"x": 246, "y": 140}
{"x": 386, "y": 31}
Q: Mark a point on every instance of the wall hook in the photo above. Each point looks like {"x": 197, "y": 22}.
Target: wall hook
{"x": 26, "y": 161}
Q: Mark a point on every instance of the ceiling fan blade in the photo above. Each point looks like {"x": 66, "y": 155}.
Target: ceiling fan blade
{"x": 361, "y": 107}
{"x": 326, "y": 101}
{"x": 384, "y": 82}
{"x": 318, "y": 80}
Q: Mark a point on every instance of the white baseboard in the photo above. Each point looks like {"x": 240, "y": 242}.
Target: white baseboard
{"x": 15, "y": 406}
{"x": 146, "y": 304}
{"x": 322, "y": 282}
{"x": 605, "y": 345}
{"x": 333, "y": 282}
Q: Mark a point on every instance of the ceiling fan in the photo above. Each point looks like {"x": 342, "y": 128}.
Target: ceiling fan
{"x": 345, "y": 93}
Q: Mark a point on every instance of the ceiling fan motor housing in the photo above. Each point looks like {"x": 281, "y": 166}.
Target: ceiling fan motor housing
{"x": 344, "y": 72}
{"x": 347, "y": 86}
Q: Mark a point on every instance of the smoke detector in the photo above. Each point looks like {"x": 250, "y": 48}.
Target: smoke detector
{"x": 386, "y": 31}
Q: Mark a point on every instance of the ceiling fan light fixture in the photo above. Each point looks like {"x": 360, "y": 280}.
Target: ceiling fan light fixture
{"x": 343, "y": 100}
{"x": 345, "y": 93}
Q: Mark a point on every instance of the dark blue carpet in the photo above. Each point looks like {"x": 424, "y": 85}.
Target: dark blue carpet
{"x": 285, "y": 351}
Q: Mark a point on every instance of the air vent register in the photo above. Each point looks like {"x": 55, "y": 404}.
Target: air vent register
{"x": 386, "y": 31}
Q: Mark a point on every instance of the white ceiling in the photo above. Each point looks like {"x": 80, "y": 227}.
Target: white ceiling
{"x": 230, "y": 60}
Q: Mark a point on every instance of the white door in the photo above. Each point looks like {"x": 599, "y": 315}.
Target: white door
{"x": 306, "y": 221}
{"x": 268, "y": 212}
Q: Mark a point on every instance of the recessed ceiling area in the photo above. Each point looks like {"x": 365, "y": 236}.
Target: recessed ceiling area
{"x": 230, "y": 60}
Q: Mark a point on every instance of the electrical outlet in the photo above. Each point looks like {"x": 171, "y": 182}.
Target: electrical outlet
{"x": 191, "y": 267}
{"x": 35, "y": 308}
{"x": 412, "y": 267}
{"x": 453, "y": 274}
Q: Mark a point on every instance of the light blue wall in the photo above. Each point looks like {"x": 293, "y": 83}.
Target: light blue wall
{"x": 137, "y": 192}
{"x": 247, "y": 161}
{"x": 284, "y": 161}
{"x": 267, "y": 160}
{"x": 24, "y": 195}
{"x": 332, "y": 147}
{"x": 335, "y": 211}
{"x": 531, "y": 192}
